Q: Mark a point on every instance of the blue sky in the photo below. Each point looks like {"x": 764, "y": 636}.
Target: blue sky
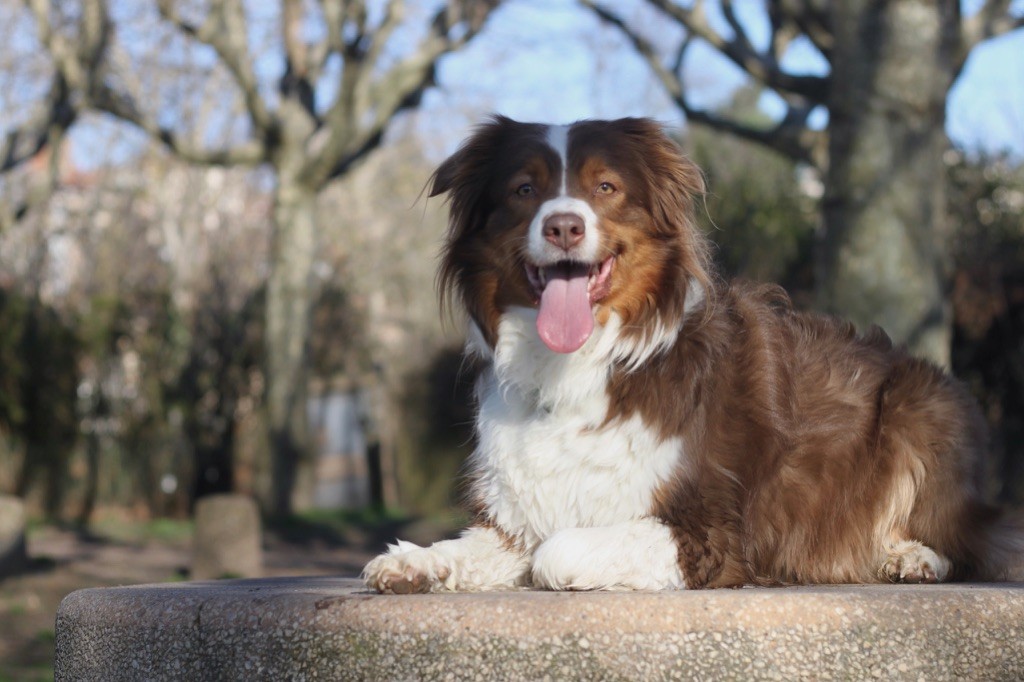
{"x": 552, "y": 61}
{"x": 985, "y": 109}
{"x": 549, "y": 60}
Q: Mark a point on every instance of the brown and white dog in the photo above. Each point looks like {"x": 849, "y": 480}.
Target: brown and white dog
{"x": 642, "y": 425}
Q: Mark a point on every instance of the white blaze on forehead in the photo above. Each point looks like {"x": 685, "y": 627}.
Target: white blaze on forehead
{"x": 541, "y": 252}
{"x": 558, "y": 139}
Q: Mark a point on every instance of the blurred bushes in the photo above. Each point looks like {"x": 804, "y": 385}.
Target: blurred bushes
{"x": 439, "y": 405}
{"x": 38, "y": 388}
{"x": 987, "y": 207}
{"x": 761, "y": 210}
{"x": 157, "y": 273}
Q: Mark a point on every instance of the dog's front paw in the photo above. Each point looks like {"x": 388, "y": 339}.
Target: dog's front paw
{"x": 912, "y": 562}
{"x": 407, "y": 569}
{"x": 637, "y": 555}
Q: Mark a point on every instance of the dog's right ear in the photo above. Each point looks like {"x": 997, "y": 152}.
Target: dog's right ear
{"x": 443, "y": 178}
{"x": 468, "y": 169}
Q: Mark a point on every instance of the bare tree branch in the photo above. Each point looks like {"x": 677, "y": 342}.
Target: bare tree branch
{"x": 741, "y": 52}
{"x": 359, "y": 59}
{"x": 40, "y": 193}
{"x": 76, "y": 62}
{"x": 354, "y": 125}
{"x": 108, "y": 100}
{"x": 739, "y": 32}
{"x": 76, "y": 58}
{"x": 334, "y": 16}
{"x": 56, "y": 114}
{"x": 791, "y": 137}
{"x": 225, "y": 30}
{"x": 79, "y": 63}
{"x": 811, "y": 18}
{"x": 783, "y": 31}
{"x": 297, "y": 82}
{"x": 394, "y": 14}
{"x": 993, "y": 19}
{"x": 344, "y": 141}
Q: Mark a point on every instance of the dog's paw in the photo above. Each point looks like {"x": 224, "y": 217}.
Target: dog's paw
{"x": 638, "y": 555}
{"x": 407, "y": 569}
{"x": 912, "y": 562}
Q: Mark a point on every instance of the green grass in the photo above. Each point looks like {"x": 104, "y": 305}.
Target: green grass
{"x": 161, "y": 530}
{"x": 345, "y": 518}
{"x": 349, "y": 527}
{"x": 120, "y": 530}
{"x": 331, "y": 525}
{"x": 32, "y": 672}
{"x": 38, "y": 673}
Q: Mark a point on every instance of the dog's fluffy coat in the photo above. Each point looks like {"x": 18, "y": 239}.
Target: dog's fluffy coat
{"x": 642, "y": 425}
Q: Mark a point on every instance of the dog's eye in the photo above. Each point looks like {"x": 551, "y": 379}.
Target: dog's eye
{"x": 524, "y": 190}
{"x": 605, "y": 188}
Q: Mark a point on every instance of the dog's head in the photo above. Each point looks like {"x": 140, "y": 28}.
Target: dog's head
{"x": 580, "y": 221}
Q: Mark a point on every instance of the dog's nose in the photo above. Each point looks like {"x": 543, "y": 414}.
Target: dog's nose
{"x": 564, "y": 230}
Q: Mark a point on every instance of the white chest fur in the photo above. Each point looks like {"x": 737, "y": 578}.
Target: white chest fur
{"x": 546, "y": 460}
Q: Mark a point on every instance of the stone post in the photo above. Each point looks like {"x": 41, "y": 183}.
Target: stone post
{"x": 228, "y": 538}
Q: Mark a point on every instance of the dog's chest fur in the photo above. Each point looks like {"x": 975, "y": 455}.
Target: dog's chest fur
{"x": 546, "y": 460}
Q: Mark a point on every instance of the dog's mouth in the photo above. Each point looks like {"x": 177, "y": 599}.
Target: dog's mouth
{"x": 566, "y": 292}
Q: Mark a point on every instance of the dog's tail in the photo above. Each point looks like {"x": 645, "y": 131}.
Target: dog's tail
{"x": 1002, "y": 558}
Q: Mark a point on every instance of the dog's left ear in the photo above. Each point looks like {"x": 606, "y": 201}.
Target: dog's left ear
{"x": 681, "y": 185}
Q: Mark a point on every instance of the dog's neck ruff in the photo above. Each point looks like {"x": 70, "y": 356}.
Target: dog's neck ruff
{"x": 548, "y": 457}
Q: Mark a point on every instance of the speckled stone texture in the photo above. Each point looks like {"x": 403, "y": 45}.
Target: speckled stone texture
{"x": 332, "y": 629}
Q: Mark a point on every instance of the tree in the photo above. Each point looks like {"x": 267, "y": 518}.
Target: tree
{"x": 46, "y": 123}
{"x": 883, "y": 257}
{"x": 341, "y": 80}
{"x": 763, "y": 217}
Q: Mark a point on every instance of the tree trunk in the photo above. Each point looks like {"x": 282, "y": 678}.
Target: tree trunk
{"x": 93, "y": 446}
{"x": 287, "y": 330}
{"x": 883, "y": 258}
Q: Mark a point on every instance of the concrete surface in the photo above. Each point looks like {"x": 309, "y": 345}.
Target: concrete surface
{"x": 332, "y": 629}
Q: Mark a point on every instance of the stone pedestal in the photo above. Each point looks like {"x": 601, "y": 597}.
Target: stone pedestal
{"x": 228, "y": 538}
{"x": 13, "y": 554}
{"x": 332, "y": 629}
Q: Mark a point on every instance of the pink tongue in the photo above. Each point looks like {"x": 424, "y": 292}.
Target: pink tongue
{"x": 565, "y": 320}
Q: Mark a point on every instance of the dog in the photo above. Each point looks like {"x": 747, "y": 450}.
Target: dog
{"x": 644, "y": 425}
